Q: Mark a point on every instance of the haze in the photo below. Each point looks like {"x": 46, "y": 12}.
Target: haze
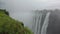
{"x": 21, "y": 9}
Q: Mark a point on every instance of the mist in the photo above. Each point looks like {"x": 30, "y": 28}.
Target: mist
{"x": 22, "y": 9}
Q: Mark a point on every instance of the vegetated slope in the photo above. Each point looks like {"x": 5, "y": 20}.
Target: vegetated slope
{"x": 11, "y": 26}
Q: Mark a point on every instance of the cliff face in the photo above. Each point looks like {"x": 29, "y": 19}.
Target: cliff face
{"x": 54, "y": 23}
{"x": 47, "y": 25}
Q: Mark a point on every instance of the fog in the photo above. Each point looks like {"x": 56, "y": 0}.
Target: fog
{"x": 22, "y": 9}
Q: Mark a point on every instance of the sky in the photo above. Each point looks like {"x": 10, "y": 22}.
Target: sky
{"x": 22, "y": 9}
{"x": 28, "y": 5}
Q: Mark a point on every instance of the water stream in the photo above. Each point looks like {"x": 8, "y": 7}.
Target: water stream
{"x": 44, "y": 27}
{"x": 40, "y": 22}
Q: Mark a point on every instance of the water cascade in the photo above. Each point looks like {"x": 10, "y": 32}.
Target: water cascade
{"x": 40, "y": 22}
{"x": 44, "y": 27}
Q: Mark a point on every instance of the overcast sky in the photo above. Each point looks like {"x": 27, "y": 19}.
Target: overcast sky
{"x": 28, "y": 5}
{"x": 20, "y": 9}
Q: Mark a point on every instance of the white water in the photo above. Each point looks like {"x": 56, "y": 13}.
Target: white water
{"x": 44, "y": 27}
{"x": 36, "y": 23}
{"x": 38, "y": 18}
{"x": 39, "y": 27}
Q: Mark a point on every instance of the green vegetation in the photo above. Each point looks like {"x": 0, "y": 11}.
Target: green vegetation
{"x": 11, "y": 26}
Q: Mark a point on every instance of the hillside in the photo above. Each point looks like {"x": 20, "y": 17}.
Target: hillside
{"x": 9, "y": 25}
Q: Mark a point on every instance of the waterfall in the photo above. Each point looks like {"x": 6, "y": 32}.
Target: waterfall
{"x": 40, "y": 22}
{"x": 45, "y": 24}
{"x": 36, "y": 24}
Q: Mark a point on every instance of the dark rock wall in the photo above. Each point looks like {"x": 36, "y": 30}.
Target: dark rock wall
{"x": 54, "y": 23}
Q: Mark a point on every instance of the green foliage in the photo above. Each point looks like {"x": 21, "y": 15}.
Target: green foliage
{"x": 4, "y": 12}
{"x": 27, "y": 31}
{"x": 11, "y": 26}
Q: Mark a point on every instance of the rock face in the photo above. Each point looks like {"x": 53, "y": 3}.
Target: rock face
{"x": 54, "y": 23}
